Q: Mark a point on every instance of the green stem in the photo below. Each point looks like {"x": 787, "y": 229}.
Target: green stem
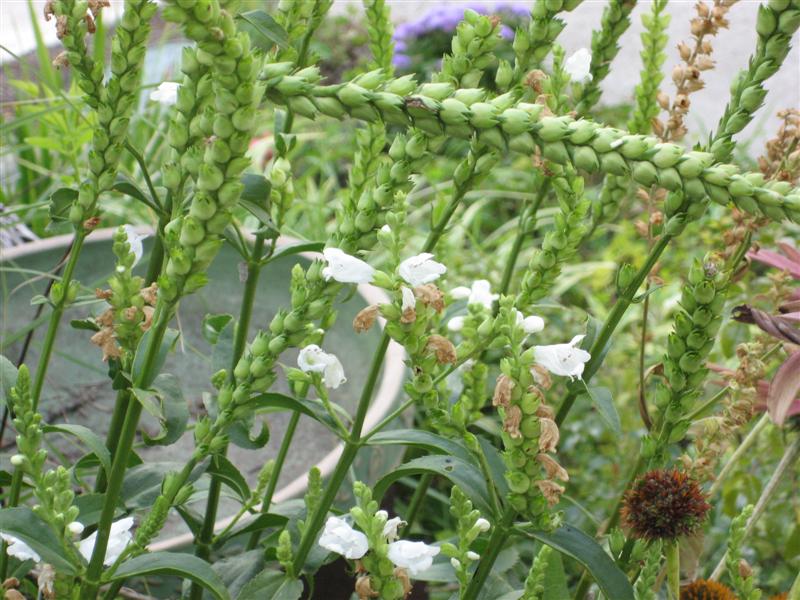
{"x": 523, "y": 229}
{"x": 417, "y": 498}
{"x": 794, "y": 593}
{"x": 672, "y": 551}
{"x": 496, "y": 542}
{"x": 204, "y": 539}
{"x": 748, "y": 441}
{"x": 612, "y": 321}
{"x": 314, "y": 523}
{"x": 288, "y": 435}
{"x": 156, "y": 203}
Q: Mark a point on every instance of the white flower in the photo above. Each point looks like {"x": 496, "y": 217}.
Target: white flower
{"x": 339, "y": 537}
{"x": 75, "y": 528}
{"x": 532, "y": 324}
{"x": 409, "y": 301}
{"x": 135, "y": 242}
{"x": 456, "y": 324}
{"x": 118, "y": 539}
{"x": 563, "y": 359}
{"x": 473, "y": 555}
{"x": 578, "y": 66}
{"x": 312, "y": 359}
{"x": 414, "y": 556}
{"x": 456, "y": 563}
{"x": 17, "y": 460}
{"x": 421, "y": 269}
{"x": 386, "y": 229}
{"x": 391, "y": 528}
{"x": 482, "y": 524}
{"x": 19, "y": 549}
{"x": 345, "y": 268}
{"x": 479, "y": 293}
{"x": 166, "y": 93}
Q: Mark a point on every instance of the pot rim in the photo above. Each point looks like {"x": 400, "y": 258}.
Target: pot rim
{"x": 391, "y": 379}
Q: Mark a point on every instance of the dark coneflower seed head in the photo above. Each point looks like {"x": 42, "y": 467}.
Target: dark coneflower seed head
{"x": 664, "y": 504}
{"x": 703, "y": 589}
{"x": 783, "y": 596}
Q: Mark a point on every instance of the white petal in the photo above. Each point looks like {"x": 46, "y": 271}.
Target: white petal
{"x": 414, "y": 556}
{"x": 339, "y": 537}
{"x": 563, "y": 359}
{"x": 409, "y": 301}
{"x": 391, "y": 528}
{"x": 312, "y": 359}
{"x": 578, "y": 66}
{"x": 135, "y": 242}
{"x": 532, "y": 324}
{"x": 345, "y": 268}
{"x": 333, "y": 375}
{"x": 421, "y": 269}
{"x": 482, "y": 524}
{"x": 118, "y": 539}
{"x": 481, "y": 293}
{"x": 456, "y": 324}
{"x": 460, "y": 292}
{"x": 19, "y": 549}
{"x": 166, "y": 93}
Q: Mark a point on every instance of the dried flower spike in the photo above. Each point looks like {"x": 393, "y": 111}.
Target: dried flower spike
{"x": 664, "y": 504}
{"x": 703, "y": 589}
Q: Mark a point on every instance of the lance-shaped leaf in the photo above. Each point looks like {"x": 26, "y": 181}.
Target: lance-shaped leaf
{"x": 784, "y": 389}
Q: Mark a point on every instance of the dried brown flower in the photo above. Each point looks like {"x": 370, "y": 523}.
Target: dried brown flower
{"x": 548, "y": 435}
{"x": 551, "y": 467}
{"x": 364, "y": 589}
{"x": 430, "y": 295}
{"x": 365, "y": 318}
{"x": 550, "y": 490}
{"x": 502, "y": 391}
{"x": 61, "y": 26}
{"x": 664, "y": 504}
{"x": 512, "y": 420}
{"x": 443, "y": 348}
{"x": 61, "y": 60}
{"x": 150, "y": 294}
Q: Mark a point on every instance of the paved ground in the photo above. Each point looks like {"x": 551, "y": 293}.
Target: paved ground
{"x": 732, "y": 49}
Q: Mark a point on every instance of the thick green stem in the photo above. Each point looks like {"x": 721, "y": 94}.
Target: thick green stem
{"x": 672, "y": 551}
{"x": 612, "y": 321}
{"x": 496, "y": 542}
{"x": 417, "y": 498}
{"x": 523, "y": 229}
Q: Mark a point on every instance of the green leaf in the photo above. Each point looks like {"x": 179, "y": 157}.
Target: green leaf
{"x": 213, "y": 325}
{"x": 555, "y": 582}
{"x": 60, "y": 202}
{"x": 418, "y": 438}
{"x": 8, "y": 379}
{"x": 144, "y": 380}
{"x": 297, "y": 249}
{"x": 185, "y": 566}
{"x": 240, "y": 432}
{"x": 576, "y": 544}
{"x": 601, "y": 399}
{"x": 262, "y": 521}
{"x": 84, "y": 324}
{"x": 461, "y": 473}
{"x": 275, "y": 402}
{"x": 123, "y": 185}
{"x": 91, "y": 505}
{"x": 23, "y": 524}
{"x": 273, "y": 585}
{"x": 255, "y": 198}
{"x": 90, "y": 439}
{"x": 142, "y": 483}
{"x": 229, "y": 475}
{"x": 263, "y": 30}
{"x": 166, "y": 403}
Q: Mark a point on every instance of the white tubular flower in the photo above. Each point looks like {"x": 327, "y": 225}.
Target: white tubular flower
{"x": 75, "y": 528}
{"x": 345, "y": 268}
{"x": 482, "y": 524}
{"x": 578, "y": 66}
{"x": 414, "y": 556}
{"x": 19, "y": 549}
{"x": 566, "y": 360}
{"x": 409, "y": 300}
{"x": 456, "y": 563}
{"x": 456, "y": 324}
{"x": 421, "y": 269}
{"x": 392, "y": 527}
{"x": 473, "y": 555}
{"x": 135, "y": 242}
{"x": 339, "y": 537}
{"x": 479, "y": 293}
{"x": 118, "y": 539}
{"x": 166, "y": 93}
{"x": 312, "y": 359}
{"x": 532, "y": 324}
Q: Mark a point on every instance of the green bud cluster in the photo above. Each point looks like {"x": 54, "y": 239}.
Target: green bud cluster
{"x": 369, "y": 149}
{"x": 473, "y": 43}
{"x": 193, "y": 240}
{"x": 127, "y": 302}
{"x": 654, "y": 39}
{"x": 439, "y": 109}
{"x": 376, "y": 562}
{"x": 55, "y": 495}
{"x": 535, "y": 581}
{"x": 743, "y": 585}
{"x": 646, "y": 582}
{"x": 776, "y": 23}
{"x": 561, "y": 242}
{"x": 615, "y": 21}
{"x": 380, "y": 30}
{"x": 174, "y": 492}
{"x": 605, "y": 207}
{"x": 469, "y": 526}
{"x": 518, "y": 402}
{"x": 533, "y": 44}
{"x": 115, "y": 105}
{"x": 300, "y": 20}
{"x": 688, "y": 346}
{"x": 88, "y": 73}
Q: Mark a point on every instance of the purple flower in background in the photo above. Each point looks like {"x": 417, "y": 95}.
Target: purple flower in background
{"x": 507, "y": 32}
{"x": 401, "y": 61}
